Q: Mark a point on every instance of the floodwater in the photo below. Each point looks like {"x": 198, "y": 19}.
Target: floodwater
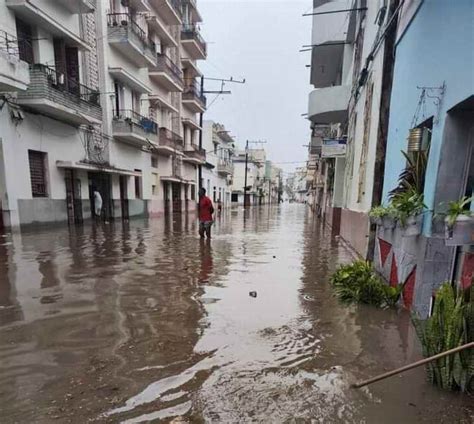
{"x": 147, "y": 323}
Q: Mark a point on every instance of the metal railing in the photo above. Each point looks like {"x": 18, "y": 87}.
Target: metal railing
{"x": 191, "y": 31}
{"x": 176, "y": 4}
{"x": 166, "y": 63}
{"x": 126, "y": 21}
{"x": 127, "y": 115}
{"x": 170, "y": 139}
{"x": 61, "y": 82}
{"x": 192, "y": 91}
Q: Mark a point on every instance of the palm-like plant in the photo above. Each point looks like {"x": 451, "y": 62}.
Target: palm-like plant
{"x": 412, "y": 178}
{"x": 457, "y": 208}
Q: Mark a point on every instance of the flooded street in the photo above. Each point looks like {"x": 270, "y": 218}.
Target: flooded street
{"x": 147, "y": 323}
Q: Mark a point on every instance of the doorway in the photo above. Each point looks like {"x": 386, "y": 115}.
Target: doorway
{"x": 102, "y": 183}
{"x": 123, "y": 179}
{"x": 176, "y": 196}
{"x": 73, "y": 198}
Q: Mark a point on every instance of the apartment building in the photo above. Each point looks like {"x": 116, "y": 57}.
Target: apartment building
{"x": 272, "y": 184}
{"x": 217, "y": 173}
{"x": 99, "y": 96}
{"x": 352, "y": 59}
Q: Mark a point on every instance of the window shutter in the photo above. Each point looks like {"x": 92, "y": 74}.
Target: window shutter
{"x": 37, "y": 173}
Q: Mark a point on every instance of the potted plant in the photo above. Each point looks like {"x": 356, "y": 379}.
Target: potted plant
{"x": 376, "y": 215}
{"x": 409, "y": 206}
{"x": 459, "y": 223}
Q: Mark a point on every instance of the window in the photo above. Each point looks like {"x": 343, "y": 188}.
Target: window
{"x": 214, "y": 194}
{"x": 37, "y": 162}
{"x": 138, "y": 185}
{"x": 154, "y": 190}
{"x": 154, "y": 162}
{"x": 25, "y": 46}
{"x": 193, "y": 192}
{"x": 215, "y": 148}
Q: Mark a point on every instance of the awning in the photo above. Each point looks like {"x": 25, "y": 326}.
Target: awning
{"x": 84, "y": 166}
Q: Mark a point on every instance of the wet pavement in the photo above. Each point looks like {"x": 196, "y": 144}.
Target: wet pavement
{"x": 147, "y": 323}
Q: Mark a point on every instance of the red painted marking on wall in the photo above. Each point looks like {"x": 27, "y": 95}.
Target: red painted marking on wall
{"x": 467, "y": 270}
{"x": 394, "y": 272}
{"x": 384, "y": 248}
{"x": 409, "y": 288}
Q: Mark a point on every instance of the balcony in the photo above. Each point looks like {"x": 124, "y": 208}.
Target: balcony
{"x": 128, "y": 38}
{"x": 79, "y": 6}
{"x": 135, "y": 129}
{"x": 193, "y": 42}
{"x": 330, "y": 33}
{"x": 194, "y": 12}
{"x": 14, "y": 73}
{"x": 170, "y": 10}
{"x": 139, "y": 5}
{"x": 167, "y": 74}
{"x": 157, "y": 25}
{"x": 225, "y": 168}
{"x": 329, "y": 105}
{"x": 193, "y": 99}
{"x": 61, "y": 98}
{"x": 315, "y": 145}
{"x": 35, "y": 16}
{"x": 169, "y": 142}
{"x": 194, "y": 154}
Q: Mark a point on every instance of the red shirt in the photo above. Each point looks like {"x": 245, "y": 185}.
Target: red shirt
{"x": 205, "y": 209}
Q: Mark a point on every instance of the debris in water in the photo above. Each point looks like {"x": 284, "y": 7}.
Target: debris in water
{"x": 253, "y": 294}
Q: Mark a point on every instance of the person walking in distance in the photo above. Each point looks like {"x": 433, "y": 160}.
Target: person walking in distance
{"x": 205, "y": 214}
{"x": 97, "y": 204}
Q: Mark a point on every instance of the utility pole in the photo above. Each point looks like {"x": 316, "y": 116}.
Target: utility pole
{"x": 200, "y": 138}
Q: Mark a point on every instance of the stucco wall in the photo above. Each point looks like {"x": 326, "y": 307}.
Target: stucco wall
{"x": 436, "y": 48}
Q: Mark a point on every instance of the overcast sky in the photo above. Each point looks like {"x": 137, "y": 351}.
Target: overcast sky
{"x": 259, "y": 40}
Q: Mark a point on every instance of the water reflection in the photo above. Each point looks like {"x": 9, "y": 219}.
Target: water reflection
{"x": 144, "y": 321}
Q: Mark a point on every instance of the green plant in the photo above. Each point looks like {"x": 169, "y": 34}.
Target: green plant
{"x": 412, "y": 178}
{"x": 451, "y": 325}
{"x": 378, "y": 212}
{"x": 359, "y": 283}
{"x": 407, "y": 203}
{"x": 457, "y": 208}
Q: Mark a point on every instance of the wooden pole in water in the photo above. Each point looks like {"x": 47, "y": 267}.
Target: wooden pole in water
{"x": 411, "y": 366}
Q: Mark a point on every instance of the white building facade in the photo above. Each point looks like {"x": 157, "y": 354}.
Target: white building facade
{"x": 217, "y": 173}
{"x": 98, "y": 96}
{"x": 256, "y": 159}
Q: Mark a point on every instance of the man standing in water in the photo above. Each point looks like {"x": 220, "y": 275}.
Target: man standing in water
{"x": 205, "y": 214}
{"x": 97, "y": 203}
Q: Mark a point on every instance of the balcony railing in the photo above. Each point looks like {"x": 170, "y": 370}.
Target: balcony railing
{"x": 176, "y": 4}
{"x": 225, "y": 167}
{"x": 170, "y": 139}
{"x": 60, "y": 82}
{"x": 165, "y": 64}
{"x": 196, "y": 153}
{"x": 191, "y": 32}
{"x": 192, "y": 92}
{"x": 126, "y": 20}
{"x": 135, "y": 119}
{"x": 9, "y": 44}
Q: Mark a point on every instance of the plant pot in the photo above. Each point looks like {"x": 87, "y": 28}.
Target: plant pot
{"x": 388, "y": 222}
{"x": 461, "y": 233}
{"x": 415, "y": 138}
{"x": 413, "y": 226}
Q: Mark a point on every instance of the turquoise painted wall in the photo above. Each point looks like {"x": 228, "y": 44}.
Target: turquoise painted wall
{"x": 437, "y": 47}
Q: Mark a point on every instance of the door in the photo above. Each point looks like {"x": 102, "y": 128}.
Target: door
{"x": 73, "y": 198}
{"x": 176, "y": 193}
{"x": 124, "y": 197}
{"x": 166, "y": 197}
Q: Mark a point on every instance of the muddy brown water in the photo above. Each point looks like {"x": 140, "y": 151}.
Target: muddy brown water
{"x": 146, "y": 323}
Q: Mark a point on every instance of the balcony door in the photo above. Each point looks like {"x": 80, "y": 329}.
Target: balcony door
{"x": 66, "y": 60}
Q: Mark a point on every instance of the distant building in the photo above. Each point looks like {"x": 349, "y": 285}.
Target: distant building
{"x": 217, "y": 173}
{"x": 255, "y": 177}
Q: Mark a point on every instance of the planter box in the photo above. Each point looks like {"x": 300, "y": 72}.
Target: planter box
{"x": 413, "y": 226}
{"x": 388, "y": 222}
{"x": 462, "y": 233}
